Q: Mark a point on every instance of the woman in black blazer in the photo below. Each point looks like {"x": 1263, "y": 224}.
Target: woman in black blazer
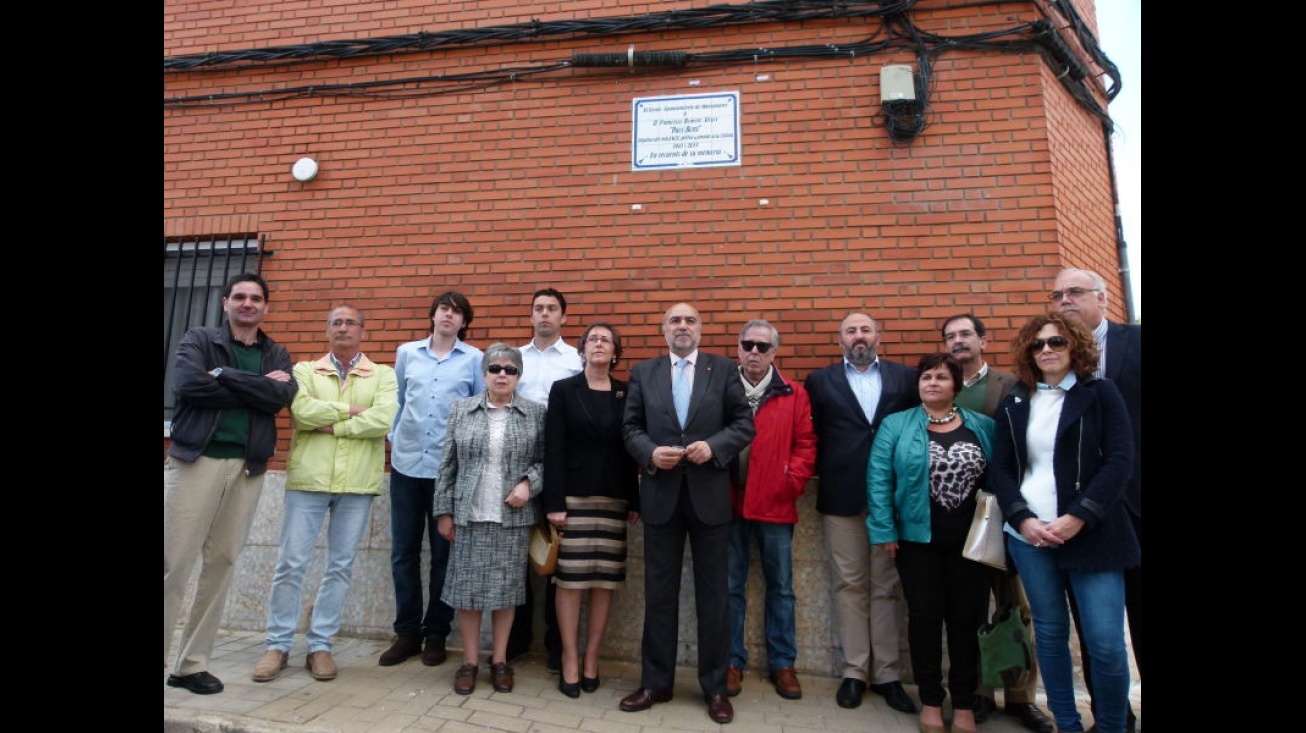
{"x": 591, "y": 493}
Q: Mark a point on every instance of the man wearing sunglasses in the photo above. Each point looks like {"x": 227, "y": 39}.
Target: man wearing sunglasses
{"x": 769, "y": 476}
{"x": 849, "y": 399}
{"x": 433, "y": 373}
{"x": 1083, "y": 294}
{"x": 686, "y": 420}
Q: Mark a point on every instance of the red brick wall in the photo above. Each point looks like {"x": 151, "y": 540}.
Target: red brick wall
{"x": 499, "y": 191}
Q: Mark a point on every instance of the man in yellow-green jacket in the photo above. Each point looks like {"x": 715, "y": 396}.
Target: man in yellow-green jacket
{"x": 344, "y": 407}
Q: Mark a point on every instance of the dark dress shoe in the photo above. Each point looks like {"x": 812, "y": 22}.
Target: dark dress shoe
{"x": 464, "y": 680}
{"x": 719, "y": 709}
{"x": 200, "y": 683}
{"x": 893, "y": 694}
{"x": 1030, "y": 716}
{"x": 570, "y": 689}
{"x": 589, "y": 684}
{"x": 433, "y": 653}
{"x": 850, "y": 693}
{"x": 984, "y": 707}
{"x": 404, "y": 646}
{"x": 501, "y": 677}
{"x": 643, "y": 699}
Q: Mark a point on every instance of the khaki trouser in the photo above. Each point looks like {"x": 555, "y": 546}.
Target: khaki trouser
{"x": 1008, "y": 590}
{"x": 867, "y": 602}
{"x": 208, "y": 507}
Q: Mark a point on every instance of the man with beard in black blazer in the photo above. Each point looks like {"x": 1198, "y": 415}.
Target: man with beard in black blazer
{"x": 849, "y": 399}
{"x": 686, "y": 419}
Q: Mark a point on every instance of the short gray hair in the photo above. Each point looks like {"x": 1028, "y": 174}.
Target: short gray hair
{"x": 1098, "y": 282}
{"x": 498, "y": 352}
{"x": 759, "y": 323}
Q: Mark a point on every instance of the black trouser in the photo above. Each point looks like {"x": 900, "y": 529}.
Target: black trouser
{"x": 521, "y": 636}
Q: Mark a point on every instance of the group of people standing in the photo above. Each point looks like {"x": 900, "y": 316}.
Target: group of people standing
{"x": 701, "y": 448}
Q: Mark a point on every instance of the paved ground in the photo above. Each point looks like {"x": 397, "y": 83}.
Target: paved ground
{"x": 368, "y": 698}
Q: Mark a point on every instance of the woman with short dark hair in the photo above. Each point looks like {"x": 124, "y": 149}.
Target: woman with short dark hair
{"x": 927, "y": 463}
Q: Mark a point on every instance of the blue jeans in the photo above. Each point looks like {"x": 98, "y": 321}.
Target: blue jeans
{"x": 775, "y": 544}
{"x": 411, "y": 502}
{"x": 1101, "y": 597}
{"x": 300, "y": 524}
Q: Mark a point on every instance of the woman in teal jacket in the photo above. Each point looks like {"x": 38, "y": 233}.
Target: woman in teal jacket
{"x": 926, "y": 464}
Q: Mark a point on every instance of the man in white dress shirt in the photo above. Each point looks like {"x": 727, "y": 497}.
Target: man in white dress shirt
{"x": 546, "y": 359}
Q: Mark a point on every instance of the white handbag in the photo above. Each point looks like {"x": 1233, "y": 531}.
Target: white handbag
{"x": 985, "y": 543}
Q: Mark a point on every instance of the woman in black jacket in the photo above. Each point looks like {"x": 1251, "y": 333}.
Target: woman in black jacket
{"x": 1062, "y": 455}
{"x": 591, "y": 493}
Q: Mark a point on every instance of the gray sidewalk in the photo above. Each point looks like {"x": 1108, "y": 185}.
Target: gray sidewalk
{"x": 368, "y": 698}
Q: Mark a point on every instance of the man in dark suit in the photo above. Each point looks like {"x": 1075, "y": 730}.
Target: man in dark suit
{"x": 849, "y": 399}
{"x": 965, "y": 337}
{"x": 686, "y": 419}
{"x": 1083, "y": 294}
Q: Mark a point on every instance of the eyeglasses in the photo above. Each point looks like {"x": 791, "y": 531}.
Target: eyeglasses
{"x": 1072, "y": 292}
{"x": 1057, "y": 343}
{"x": 351, "y": 323}
{"x": 511, "y": 370}
{"x": 597, "y": 340}
{"x": 761, "y": 346}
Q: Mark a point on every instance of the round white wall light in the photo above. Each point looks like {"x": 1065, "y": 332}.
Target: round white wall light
{"x": 305, "y": 169}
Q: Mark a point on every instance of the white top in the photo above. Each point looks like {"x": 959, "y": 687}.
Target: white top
{"x": 542, "y": 367}
{"x": 1039, "y": 485}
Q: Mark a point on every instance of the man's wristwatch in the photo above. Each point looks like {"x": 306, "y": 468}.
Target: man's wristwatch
{"x": 216, "y": 372}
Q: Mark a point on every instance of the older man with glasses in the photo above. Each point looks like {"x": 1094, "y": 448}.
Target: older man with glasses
{"x": 768, "y": 478}
{"x": 1083, "y": 294}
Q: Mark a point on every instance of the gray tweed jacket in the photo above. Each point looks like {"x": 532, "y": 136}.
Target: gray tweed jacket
{"x": 465, "y": 447}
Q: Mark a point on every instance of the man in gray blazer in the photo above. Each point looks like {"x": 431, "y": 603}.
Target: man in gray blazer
{"x": 686, "y": 419}
{"x": 849, "y": 399}
{"x": 965, "y": 337}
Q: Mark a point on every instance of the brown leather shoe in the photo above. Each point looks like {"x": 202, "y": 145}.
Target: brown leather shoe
{"x": 269, "y": 666}
{"x": 734, "y": 680}
{"x": 643, "y": 699}
{"x": 786, "y": 684}
{"x": 501, "y": 677}
{"x": 719, "y": 709}
{"x": 404, "y": 646}
{"x": 321, "y": 666}
{"x": 464, "y": 680}
{"x": 433, "y": 654}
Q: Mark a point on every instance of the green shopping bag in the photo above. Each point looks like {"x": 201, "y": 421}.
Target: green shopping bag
{"x": 1006, "y": 654}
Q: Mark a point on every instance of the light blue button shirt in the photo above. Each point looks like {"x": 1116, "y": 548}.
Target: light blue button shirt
{"x": 866, "y": 385}
{"x": 428, "y": 387}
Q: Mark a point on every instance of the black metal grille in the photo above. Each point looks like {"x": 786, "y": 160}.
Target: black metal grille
{"x": 195, "y": 270}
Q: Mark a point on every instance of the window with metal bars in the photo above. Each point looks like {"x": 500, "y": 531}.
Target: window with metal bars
{"x": 195, "y": 270}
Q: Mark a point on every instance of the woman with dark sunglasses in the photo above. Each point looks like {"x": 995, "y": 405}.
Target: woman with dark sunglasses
{"x": 1063, "y": 452}
{"x": 492, "y": 466}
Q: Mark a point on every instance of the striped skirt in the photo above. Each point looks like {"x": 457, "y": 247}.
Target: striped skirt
{"x": 593, "y": 550}
{"x": 487, "y": 567}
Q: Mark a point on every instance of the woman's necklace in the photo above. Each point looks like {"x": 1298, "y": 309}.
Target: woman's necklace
{"x": 952, "y": 415}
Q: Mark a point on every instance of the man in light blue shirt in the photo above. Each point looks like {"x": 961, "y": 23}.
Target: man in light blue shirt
{"x": 432, "y": 373}
{"x": 546, "y": 359}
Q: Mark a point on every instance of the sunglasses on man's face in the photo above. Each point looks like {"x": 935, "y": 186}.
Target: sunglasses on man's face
{"x": 761, "y": 346}
{"x": 510, "y": 370}
{"x": 1056, "y": 342}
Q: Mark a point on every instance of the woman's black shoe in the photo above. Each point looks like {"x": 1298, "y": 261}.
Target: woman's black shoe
{"x": 589, "y": 684}
{"x": 570, "y": 689}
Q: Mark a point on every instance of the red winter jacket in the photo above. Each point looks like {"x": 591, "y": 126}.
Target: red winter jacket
{"x": 782, "y": 457}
